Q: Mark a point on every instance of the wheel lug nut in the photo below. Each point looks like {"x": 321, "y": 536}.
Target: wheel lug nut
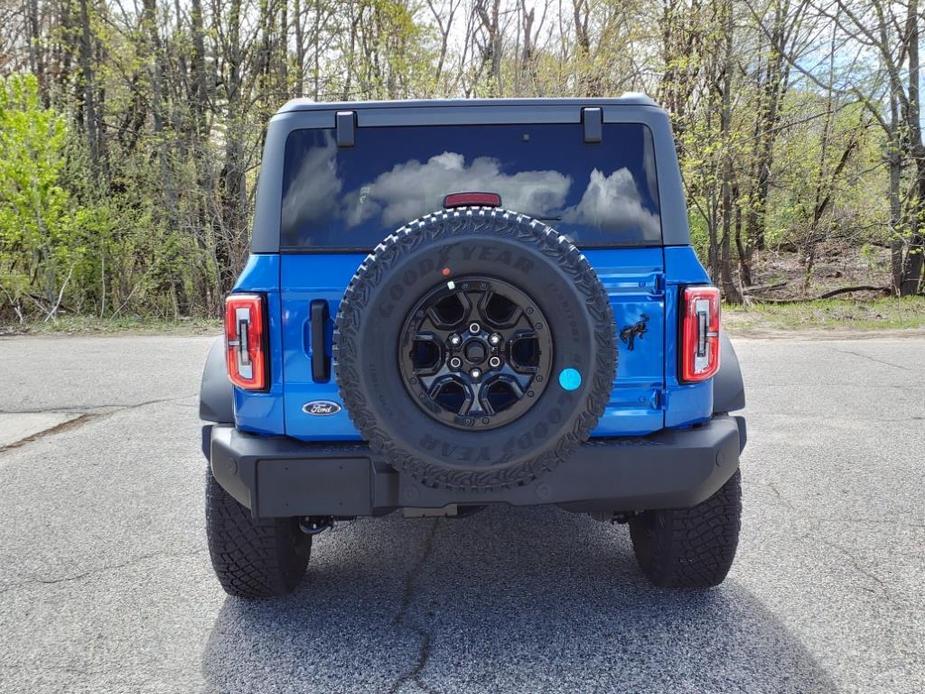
{"x": 475, "y": 328}
{"x": 475, "y": 373}
{"x": 455, "y": 340}
{"x": 455, "y": 362}
{"x": 494, "y": 362}
{"x": 494, "y": 338}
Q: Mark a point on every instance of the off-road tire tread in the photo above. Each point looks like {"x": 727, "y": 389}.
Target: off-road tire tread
{"x": 252, "y": 557}
{"x": 694, "y": 547}
{"x": 375, "y": 269}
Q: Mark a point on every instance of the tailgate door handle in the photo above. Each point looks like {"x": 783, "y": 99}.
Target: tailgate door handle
{"x": 321, "y": 362}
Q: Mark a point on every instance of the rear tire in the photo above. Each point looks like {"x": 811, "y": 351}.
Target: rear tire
{"x": 691, "y": 547}
{"x": 253, "y": 557}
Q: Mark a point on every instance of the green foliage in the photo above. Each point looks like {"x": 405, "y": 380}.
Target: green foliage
{"x": 699, "y": 234}
{"x": 807, "y": 157}
{"x": 63, "y": 248}
{"x": 43, "y": 235}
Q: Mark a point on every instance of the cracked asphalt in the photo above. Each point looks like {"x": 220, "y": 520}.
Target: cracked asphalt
{"x": 105, "y": 582}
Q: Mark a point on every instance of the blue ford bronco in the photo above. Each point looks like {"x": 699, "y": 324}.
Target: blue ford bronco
{"x": 452, "y": 304}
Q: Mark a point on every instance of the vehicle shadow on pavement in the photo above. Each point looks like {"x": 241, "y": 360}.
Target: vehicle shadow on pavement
{"x": 531, "y": 600}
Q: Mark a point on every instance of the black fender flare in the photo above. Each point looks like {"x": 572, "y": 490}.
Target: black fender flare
{"x": 728, "y": 387}
{"x": 216, "y": 394}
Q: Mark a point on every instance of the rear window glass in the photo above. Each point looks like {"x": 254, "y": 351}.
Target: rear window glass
{"x": 597, "y": 194}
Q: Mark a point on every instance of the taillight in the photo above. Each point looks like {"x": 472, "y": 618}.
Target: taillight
{"x": 700, "y": 334}
{"x": 245, "y": 341}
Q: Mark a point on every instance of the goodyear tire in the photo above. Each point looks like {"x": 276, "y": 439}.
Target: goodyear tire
{"x": 690, "y": 547}
{"x": 253, "y": 557}
{"x": 570, "y": 359}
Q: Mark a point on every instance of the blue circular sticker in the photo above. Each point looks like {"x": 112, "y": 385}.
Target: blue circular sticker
{"x": 569, "y": 379}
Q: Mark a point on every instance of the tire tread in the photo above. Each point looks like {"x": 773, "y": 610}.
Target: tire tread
{"x": 693, "y": 547}
{"x": 252, "y": 557}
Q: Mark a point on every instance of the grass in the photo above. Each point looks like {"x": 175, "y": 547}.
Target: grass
{"x": 135, "y": 325}
{"x": 828, "y": 314}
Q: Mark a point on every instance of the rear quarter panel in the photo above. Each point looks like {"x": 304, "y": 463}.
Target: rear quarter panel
{"x": 687, "y": 403}
{"x": 262, "y": 413}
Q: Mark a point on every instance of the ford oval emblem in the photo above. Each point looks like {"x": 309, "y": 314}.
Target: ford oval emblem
{"x": 321, "y": 408}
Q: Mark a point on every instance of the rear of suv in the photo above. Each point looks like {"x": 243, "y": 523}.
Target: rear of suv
{"x": 452, "y": 304}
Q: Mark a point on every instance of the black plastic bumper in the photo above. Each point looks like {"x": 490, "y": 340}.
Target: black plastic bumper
{"x": 278, "y": 476}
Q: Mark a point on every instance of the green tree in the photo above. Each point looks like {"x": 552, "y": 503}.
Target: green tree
{"x": 40, "y": 229}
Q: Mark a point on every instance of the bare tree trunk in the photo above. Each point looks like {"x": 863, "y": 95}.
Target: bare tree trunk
{"x": 681, "y": 39}
{"x": 317, "y": 53}
{"x": 915, "y": 255}
{"x": 771, "y": 93}
{"x": 88, "y": 88}
{"x": 36, "y": 47}
{"x": 299, "y": 48}
{"x": 896, "y": 39}
{"x": 200, "y": 88}
{"x": 745, "y": 270}
{"x": 527, "y": 72}
{"x": 490, "y": 19}
{"x": 232, "y": 184}
{"x": 152, "y": 50}
{"x": 730, "y": 290}
{"x": 349, "y": 58}
{"x": 444, "y": 26}
{"x": 283, "y": 53}
{"x": 894, "y": 164}
{"x": 590, "y": 80}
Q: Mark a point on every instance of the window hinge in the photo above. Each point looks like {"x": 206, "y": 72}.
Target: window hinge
{"x": 592, "y": 120}
{"x": 345, "y": 121}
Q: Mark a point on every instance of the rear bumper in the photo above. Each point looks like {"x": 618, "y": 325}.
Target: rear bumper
{"x": 279, "y": 476}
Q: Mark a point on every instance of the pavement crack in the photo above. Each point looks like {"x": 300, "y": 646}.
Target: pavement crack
{"x": 855, "y": 564}
{"x": 869, "y": 358}
{"x": 106, "y": 408}
{"x": 78, "y": 421}
{"x": 400, "y": 619}
{"x": 870, "y": 521}
{"x": 99, "y": 570}
{"x": 784, "y": 500}
{"x": 87, "y": 414}
{"x": 157, "y": 401}
{"x": 832, "y": 519}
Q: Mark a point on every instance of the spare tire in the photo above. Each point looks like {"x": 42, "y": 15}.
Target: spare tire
{"x": 475, "y": 349}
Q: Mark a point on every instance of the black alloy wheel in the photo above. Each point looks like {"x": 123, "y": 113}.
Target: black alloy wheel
{"x": 476, "y": 352}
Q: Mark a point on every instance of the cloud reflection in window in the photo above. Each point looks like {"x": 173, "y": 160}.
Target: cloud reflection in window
{"x": 613, "y": 202}
{"x": 412, "y": 189}
{"x": 312, "y": 196}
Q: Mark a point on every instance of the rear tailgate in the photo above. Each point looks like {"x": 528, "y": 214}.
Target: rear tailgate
{"x": 635, "y": 281}
{"x": 633, "y": 278}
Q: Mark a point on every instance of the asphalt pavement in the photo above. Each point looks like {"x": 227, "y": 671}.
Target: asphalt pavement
{"x": 106, "y": 586}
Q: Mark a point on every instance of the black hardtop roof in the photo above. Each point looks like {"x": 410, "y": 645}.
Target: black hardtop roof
{"x": 628, "y": 99}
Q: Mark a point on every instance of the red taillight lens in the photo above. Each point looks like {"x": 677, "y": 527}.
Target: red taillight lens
{"x": 245, "y": 341}
{"x": 700, "y": 334}
{"x": 465, "y": 199}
